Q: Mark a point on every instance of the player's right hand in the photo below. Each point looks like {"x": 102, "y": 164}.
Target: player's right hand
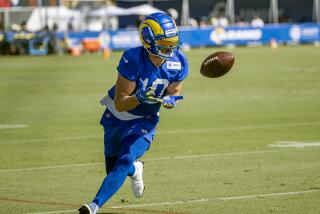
{"x": 170, "y": 101}
{"x": 145, "y": 95}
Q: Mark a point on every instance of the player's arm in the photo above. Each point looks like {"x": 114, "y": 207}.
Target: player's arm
{"x": 174, "y": 89}
{"x": 122, "y": 99}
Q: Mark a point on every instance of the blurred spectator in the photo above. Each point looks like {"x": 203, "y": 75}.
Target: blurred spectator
{"x": 192, "y": 22}
{"x": 53, "y": 43}
{"x": 70, "y": 25}
{"x": 223, "y": 21}
{"x": 257, "y": 22}
{"x": 204, "y": 21}
{"x": 173, "y": 13}
{"x": 214, "y": 21}
{"x": 24, "y": 28}
{"x": 2, "y": 39}
{"x": 139, "y": 20}
{"x": 112, "y": 23}
{"x": 19, "y": 45}
{"x": 241, "y": 22}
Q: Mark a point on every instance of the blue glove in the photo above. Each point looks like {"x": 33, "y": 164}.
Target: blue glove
{"x": 170, "y": 101}
{"x": 145, "y": 95}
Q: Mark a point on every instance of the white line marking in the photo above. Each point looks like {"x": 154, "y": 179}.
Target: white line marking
{"x": 222, "y": 199}
{"x": 294, "y": 144}
{"x": 49, "y": 167}
{"x": 243, "y": 197}
{"x": 12, "y": 126}
{"x": 53, "y": 139}
{"x": 177, "y": 131}
{"x": 212, "y": 155}
{"x": 265, "y": 126}
{"x": 52, "y": 212}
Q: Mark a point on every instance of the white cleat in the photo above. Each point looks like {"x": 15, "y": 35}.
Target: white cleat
{"x": 136, "y": 179}
{"x": 88, "y": 209}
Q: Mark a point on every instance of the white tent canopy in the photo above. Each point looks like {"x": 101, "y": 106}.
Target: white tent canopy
{"x": 63, "y": 16}
{"x": 144, "y": 9}
{"x": 109, "y": 11}
{"x": 43, "y": 16}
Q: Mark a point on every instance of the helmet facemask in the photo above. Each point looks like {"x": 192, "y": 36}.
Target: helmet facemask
{"x": 167, "y": 48}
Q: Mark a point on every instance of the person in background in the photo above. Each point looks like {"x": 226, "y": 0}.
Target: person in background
{"x": 173, "y": 13}
{"x": 257, "y": 22}
{"x": 139, "y": 20}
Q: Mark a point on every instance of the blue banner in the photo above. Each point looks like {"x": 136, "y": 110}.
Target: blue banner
{"x": 301, "y": 33}
{"x": 197, "y": 37}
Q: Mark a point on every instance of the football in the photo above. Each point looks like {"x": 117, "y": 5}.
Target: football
{"x": 217, "y": 64}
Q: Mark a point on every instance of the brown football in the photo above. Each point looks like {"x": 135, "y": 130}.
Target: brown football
{"x": 217, "y": 64}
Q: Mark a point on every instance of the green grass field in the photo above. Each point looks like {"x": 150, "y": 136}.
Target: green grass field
{"x": 211, "y": 154}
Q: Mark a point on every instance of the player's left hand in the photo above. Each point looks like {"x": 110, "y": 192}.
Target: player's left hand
{"x": 170, "y": 101}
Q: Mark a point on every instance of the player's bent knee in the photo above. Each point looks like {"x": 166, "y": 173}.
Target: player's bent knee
{"x": 110, "y": 163}
{"x": 125, "y": 161}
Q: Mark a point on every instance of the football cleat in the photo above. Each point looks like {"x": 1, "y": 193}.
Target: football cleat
{"x": 88, "y": 209}
{"x": 136, "y": 180}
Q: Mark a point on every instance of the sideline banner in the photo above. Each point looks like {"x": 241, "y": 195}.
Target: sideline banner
{"x": 301, "y": 33}
{"x": 197, "y": 37}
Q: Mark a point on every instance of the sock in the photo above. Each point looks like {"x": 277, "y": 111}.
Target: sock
{"x": 134, "y": 172}
{"x": 94, "y": 207}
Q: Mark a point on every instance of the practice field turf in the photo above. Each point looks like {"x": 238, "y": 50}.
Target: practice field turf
{"x": 248, "y": 142}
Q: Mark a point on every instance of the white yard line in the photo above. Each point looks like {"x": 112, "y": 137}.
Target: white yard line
{"x": 294, "y": 144}
{"x": 12, "y": 126}
{"x": 52, "y": 212}
{"x": 212, "y": 155}
{"x": 242, "y": 197}
{"x": 53, "y": 139}
{"x": 161, "y": 158}
{"x": 48, "y": 167}
{"x": 265, "y": 126}
{"x": 176, "y": 131}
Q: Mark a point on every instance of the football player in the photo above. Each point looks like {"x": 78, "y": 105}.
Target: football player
{"x": 149, "y": 76}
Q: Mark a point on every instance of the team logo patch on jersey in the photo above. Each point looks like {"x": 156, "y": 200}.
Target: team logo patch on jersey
{"x": 173, "y": 65}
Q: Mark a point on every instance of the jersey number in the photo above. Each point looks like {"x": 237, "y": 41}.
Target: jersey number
{"x": 159, "y": 84}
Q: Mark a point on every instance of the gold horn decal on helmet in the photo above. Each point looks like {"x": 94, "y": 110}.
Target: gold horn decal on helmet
{"x": 153, "y": 26}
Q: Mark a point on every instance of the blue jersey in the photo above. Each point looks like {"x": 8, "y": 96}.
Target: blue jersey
{"x": 136, "y": 66}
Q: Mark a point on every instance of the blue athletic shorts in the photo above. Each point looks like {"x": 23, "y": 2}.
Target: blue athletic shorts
{"x": 116, "y": 130}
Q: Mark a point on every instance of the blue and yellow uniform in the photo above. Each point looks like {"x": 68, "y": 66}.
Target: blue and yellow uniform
{"x": 128, "y": 134}
{"x": 136, "y": 66}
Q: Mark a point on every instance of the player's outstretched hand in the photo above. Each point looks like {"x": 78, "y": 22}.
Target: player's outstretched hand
{"x": 170, "y": 101}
